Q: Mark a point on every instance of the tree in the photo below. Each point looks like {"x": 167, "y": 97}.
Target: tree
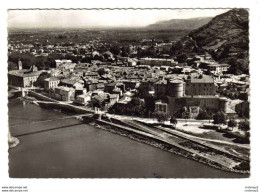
{"x": 149, "y": 103}
{"x": 243, "y": 96}
{"x": 101, "y": 71}
{"x": 40, "y": 80}
{"x": 220, "y": 118}
{"x": 161, "y": 117}
{"x": 244, "y": 125}
{"x": 97, "y": 102}
{"x": 176, "y": 48}
{"x": 12, "y": 66}
{"x": 173, "y": 120}
{"x": 115, "y": 49}
{"x": 185, "y": 115}
{"x": 125, "y": 51}
{"x": 203, "y": 115}
{"x": 232, "y": 123}
{"x": 182, "y": 58}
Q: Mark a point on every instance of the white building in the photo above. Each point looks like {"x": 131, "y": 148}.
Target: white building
{"x": 83, "y": 99}
{"x": 51, "y": 83}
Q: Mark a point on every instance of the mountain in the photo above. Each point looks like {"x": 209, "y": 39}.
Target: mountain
{"x": 188, "y": 24}
{"x": 225, "y": 37}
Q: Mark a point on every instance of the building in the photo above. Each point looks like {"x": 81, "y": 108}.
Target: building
{"x": 200, "y": 85}
{"x": 61, "y": 62}
{"x": 110, "y": 87}
{"x": 130, "y": 84}
{"x": 75, "y": 83}
{"x": 160, "y": 88}
{"x": 156, "y": 61}
{"x": 194, "y": 103}
{"x": 214, "y": 67}
{"x": 218, "y": 68}
{"x": 92, "y": 75}
{"x": 83, "y": 99}
{"x": 51, "y": 83}
{"x": 176, "y": 88}
{"x": 195, "y": 100}
{"x": 23, "y": 78}
{"x": 64, "y": 93}
{"x": 161, "y": 107}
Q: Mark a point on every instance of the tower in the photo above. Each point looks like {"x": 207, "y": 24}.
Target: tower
{"x": 20, "y": 65}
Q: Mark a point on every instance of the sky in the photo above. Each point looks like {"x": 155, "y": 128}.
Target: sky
{"x": 101, "y": 18}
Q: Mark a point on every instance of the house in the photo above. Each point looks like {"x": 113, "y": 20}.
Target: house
{"x": 112, "y": 99}
{"x": 218, "y": 68}
{"x": 127, "y": 97}
{"x": 71, "y": 83}
{"x": 61, "y": 62}
{"x": 51, "y": 83}
{"x": 214, "y": 67}
{"x": 110, "y": 87}
{"x": 92, "y": 75}
{"x": 132, "y": 62}
{"x": 161, "y": 107}
{"x": 64, "y": 93}
{"x": 83, "y": 99}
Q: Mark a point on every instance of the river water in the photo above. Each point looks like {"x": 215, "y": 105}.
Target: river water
{"x": 76, "y": 150}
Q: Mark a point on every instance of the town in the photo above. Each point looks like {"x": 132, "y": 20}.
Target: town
{"x": 108, "y": 79}
{"x": 137, "y": 84}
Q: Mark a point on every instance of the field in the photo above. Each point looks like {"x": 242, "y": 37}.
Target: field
{"x": 53, "y": 36}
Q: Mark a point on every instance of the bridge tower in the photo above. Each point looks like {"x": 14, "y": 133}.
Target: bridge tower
{"x": 20, "y": 65}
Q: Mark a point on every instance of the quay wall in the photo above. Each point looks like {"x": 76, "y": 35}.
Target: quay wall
{"x": 40, "y": 96}
{"x": 65, "y": 107}
{"x": 161, "y": 143}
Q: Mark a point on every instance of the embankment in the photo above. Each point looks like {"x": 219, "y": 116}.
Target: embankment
{"x": 63, "y": 107}
{"x": 158, "y": 142}
{"x": 40, "y": 96}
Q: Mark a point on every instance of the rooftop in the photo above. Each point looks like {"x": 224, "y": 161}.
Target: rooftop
{"x": 195, "y": 78}
{"x": 24, "y": 73}
{"x": 52, "y": 79}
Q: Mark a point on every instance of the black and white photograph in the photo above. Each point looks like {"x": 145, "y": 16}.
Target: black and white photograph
{"x": 94, "y": 95}
{"x": 143, "y": 98}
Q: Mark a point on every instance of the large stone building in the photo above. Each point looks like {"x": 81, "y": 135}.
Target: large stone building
{"x": 24, "y": 77}
{"x": 194, "y": 103}
{"x": 194, "y": 94}
{"x": 200, "y": 85}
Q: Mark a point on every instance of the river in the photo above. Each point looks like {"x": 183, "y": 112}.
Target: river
{"x": 76, "y": 150}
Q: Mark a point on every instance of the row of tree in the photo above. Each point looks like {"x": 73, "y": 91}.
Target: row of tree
{"x": 221, "y": 118}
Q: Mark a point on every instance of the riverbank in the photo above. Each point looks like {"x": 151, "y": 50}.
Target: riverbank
{"x": 82, "y": 151}
{"x": 185, "y": 149}
{"x": 169, "y": 148}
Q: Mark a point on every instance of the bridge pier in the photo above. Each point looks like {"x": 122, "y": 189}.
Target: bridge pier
{"x": 24, "y": 92}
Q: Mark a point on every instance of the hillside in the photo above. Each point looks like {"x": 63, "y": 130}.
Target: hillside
{"x": 186, "y": 24}
{"x": 225, "y": 37}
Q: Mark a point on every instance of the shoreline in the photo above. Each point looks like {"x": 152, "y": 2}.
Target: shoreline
{"x": 167, "y": 147}
{"x": 160, "y": 144}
